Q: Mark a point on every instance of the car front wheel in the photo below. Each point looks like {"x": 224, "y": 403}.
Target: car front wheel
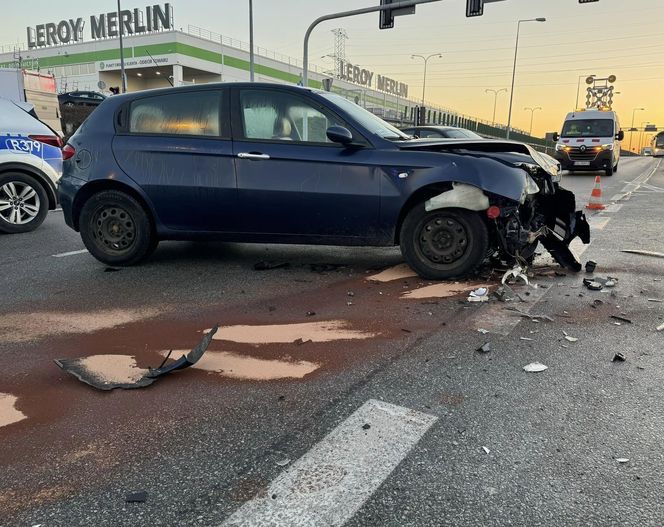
{"x": 444, "y": 243}
{"x": 23, "y": 203}
{"x": 116, "y": 229}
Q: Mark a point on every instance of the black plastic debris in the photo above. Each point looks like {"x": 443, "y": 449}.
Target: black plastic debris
{"x": 591, "y": 266}
{"x": 111, "y": 270}
{"x": 621, "y": 319}
{"x": 78, "y": 369}
{"x": 311, "y": 313}
{"x": 366, "y": 426}
{"x": 136, "y": 497}
{"x": 324, "y": 267}
{"x": 619, "y": 357}
{"x": 267, "y": 266}
{"x": 484, "y": 348}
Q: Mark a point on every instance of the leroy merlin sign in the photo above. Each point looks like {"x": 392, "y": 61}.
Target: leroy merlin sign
{"x": 106, "y": 25}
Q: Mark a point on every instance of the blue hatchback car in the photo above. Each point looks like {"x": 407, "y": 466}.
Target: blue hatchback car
{"x": 284, "y": 164}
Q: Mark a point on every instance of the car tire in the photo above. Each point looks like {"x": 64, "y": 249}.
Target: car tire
{"x": 444, "y": 243}
{"x": 116, "y": 229}
{"x": 609, "y": 171}
{"x": 23, "y": 203}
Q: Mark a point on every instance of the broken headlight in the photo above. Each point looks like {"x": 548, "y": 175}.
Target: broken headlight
{"x": 531, "y": 187}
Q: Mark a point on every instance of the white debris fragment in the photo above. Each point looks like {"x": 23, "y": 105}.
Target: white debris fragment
{"x": 660, "y": 327}
{"x": 480, "y": 294}
{"x": 525, "y": 338}
{"x": 622, "y": 460}
{"x": 535, "y": 367}
{"x": 283, "y": 462}
{"x": 570, "y": 339}
{"x": 483, "y": 331}
{"x": 517, "y": 272}
{"x": 486, "y": 450}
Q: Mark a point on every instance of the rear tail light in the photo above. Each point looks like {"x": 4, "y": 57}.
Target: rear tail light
{"x": 68, "y": 151}
{"x": 52, "y": 140}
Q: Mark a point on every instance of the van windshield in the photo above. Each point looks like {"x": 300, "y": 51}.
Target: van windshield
{"x": 588, "y": 128}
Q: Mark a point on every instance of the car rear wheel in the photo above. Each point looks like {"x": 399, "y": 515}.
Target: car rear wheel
{"x": 23, "y": 203}
{"x": 444, "y": 243}
{"x": 116, "y": 229}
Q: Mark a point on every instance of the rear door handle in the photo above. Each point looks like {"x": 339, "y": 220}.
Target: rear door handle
{"x": 252, "y": 155}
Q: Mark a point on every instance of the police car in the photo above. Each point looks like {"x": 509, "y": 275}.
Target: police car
{"x": 30, "y": 167}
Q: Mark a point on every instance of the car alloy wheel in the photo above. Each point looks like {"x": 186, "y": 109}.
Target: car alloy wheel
{"x": 19, "y": 203}
{"x": 115, "y": 228}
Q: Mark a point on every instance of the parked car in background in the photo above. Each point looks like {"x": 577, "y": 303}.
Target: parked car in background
{"x": 271, "y": 163}
{"x": 30, "y": 167}
{"x": 440, "y": 132}
{"x": 83, "y": 98}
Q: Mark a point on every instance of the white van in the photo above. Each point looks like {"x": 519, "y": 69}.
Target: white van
{"x": 590, "y": 140}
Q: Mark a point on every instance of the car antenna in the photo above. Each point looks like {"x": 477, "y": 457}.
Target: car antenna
{"x": 155, "y": 63}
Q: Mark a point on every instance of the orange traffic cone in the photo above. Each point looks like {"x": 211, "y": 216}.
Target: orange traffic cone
{"x": 595, "y": 202}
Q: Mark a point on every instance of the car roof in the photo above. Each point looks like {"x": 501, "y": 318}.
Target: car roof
{"x": 212, "y": 86}
{"x": 15, "y": 120}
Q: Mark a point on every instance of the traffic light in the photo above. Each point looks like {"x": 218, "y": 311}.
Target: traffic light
{"x": 387, "y": 15}
{"x": 476, "y": 7}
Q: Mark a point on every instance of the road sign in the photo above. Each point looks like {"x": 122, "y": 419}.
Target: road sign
{"x": 651, "y": 128}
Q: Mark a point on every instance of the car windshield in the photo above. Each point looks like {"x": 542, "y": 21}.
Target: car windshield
{"x": 659, "y": 142}
{"x": 588, "y": 128}
{"x": 368, "y": 120}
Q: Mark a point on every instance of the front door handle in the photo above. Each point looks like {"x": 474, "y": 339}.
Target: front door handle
{"x": 252, "y": 155}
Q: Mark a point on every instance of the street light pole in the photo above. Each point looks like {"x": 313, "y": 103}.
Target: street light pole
{"x": 532, "y": 114}
{"x": 631, "y": 130}
{"x": 123, "y": 77}
{"x": 578, "y": 89}
{"x": 426, "y": 60}
{"x": 516, "y": 51}
{"x": 643, "y": 127}
{"x": 495, "y": 101}
{"x": 251, "y": 40}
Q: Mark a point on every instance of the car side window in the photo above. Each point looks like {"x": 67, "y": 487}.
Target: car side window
{"x": 184, "y": 113}
{"x": 429, "y": 134}
{"x": 279, "y": 116}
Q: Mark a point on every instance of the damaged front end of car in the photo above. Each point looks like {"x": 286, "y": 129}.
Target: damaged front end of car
{"x": 518, "y": 191}
{"x": 546, "y": 214}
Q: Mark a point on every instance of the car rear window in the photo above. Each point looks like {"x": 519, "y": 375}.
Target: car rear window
{"x": 189, "y": 113}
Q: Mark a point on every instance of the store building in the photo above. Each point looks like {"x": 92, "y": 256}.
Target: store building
{"x": 84, "y": 54}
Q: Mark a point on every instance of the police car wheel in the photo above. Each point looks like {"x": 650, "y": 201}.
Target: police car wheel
{"x": 23, "y": 203}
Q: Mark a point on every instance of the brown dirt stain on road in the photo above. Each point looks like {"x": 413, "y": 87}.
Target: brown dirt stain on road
{"x": 8, "y": 412}
{"x": 238, "y": 366}
{"x": 325, "y": 331}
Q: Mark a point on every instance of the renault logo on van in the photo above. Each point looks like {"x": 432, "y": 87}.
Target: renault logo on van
{"x": 582, "y": 148}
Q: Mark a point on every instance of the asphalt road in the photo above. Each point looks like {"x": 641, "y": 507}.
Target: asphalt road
{"x": 395, "y": 421}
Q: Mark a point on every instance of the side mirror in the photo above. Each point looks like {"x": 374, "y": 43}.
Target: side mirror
{"x": 556, "y": 136}
{"x": 620, "y": 136}
{"x": 339, "y": 134}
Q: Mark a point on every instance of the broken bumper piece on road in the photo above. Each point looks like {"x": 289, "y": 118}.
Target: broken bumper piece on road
{"x": 83, "y": 371}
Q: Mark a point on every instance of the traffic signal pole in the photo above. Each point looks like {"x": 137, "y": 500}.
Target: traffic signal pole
{"x": 344, "y": 14}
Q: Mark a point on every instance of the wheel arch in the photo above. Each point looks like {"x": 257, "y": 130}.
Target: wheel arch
{"x": 101, "y": 185}
{"x": 38, "y": 175}
{"x": 468, "y": 197}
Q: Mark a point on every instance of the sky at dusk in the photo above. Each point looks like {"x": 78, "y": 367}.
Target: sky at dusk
{"x": 619, "y": 37}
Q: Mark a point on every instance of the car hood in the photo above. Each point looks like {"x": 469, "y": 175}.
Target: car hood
{"x": 506, "y": 151}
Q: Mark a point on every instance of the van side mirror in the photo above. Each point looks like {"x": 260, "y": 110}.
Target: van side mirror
{"x": 620, "y": 136}
{"x": 556, "y": 136}
{"x": 339, "y": 134}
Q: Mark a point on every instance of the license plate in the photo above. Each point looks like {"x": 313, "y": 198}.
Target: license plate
{"x": 582, "y": 163}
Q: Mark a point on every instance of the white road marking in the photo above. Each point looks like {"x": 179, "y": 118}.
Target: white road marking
{"x": 70, "y": 253}
{"x": 330, "y": 483}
